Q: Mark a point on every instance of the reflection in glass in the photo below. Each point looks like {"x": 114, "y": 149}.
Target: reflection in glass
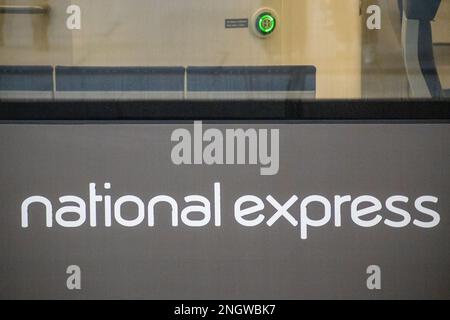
{"x": 197, "y": 50}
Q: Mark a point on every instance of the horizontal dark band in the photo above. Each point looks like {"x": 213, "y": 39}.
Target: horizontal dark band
{"x": 317, "y": 110}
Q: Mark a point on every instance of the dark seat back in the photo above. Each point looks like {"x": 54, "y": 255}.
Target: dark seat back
{"x": 265, "y": 82}
{"x": 26, "y": 82}
{"x": 120, "y": 82}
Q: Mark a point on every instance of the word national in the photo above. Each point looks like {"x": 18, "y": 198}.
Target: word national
{"x": 250, "y": 211}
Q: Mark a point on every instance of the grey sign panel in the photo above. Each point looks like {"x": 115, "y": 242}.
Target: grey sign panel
{"x": 224, "y": 259}
{"x": 236, "y": 23}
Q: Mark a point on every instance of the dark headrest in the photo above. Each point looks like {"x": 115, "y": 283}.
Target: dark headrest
{"x": 424, "y": 10}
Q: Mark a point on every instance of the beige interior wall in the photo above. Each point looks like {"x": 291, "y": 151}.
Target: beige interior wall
{"x": 327, "y": 34}
{"x": 323, "y": 33}
{"x": 441, "y": 25}
{"x": 27, "y": 39}
{"x": 383, "y": 67}
{"x": 175, "y": 32}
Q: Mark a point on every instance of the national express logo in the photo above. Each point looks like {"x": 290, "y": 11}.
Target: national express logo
{"x": 250, "y": 211}
{"x": 306, "y": 213}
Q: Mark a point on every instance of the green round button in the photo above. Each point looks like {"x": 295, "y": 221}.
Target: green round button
{"x": 266, "y": 23}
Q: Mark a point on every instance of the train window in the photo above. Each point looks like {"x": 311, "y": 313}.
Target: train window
{"x": 224, "y": 50}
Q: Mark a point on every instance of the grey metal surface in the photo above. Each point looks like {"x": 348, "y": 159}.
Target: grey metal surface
{"x": 231, "y": 261}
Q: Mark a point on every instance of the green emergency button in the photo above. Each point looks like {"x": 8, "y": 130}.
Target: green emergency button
{"x": 266, "y": 23}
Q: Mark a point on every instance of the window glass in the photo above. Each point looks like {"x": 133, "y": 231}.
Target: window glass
{"x": 227, "y": 50}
